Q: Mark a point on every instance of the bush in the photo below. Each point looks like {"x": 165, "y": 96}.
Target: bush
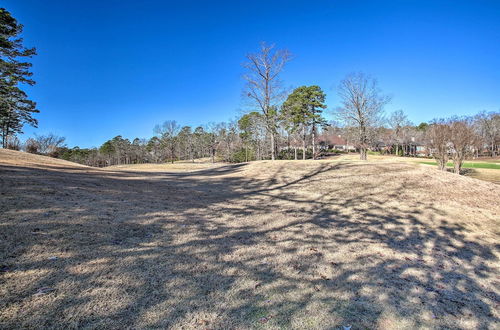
{"x": 14, "y": 143}
{"x": 31, "y": 146}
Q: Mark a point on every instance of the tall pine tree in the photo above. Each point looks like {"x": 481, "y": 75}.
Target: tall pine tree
{"x": 16, "y": 109}
{"x": 304, "y": 107}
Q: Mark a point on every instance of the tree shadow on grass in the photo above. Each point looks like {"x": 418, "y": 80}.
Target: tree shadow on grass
{"x": 218, "y": 249}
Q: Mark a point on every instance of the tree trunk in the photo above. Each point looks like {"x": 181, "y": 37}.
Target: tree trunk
{"x": 303, "y": 143}
{"x": 442, "y": 163}
{"x": 314, "y": 141}
{"x": 5, "y": 132}
{"x": 273, "y": 148}
{"x": 362, "y": 153}
{"x": 363, "y": 140}
{"x": 457, "y": 165}
{"x": 288, "y": 145}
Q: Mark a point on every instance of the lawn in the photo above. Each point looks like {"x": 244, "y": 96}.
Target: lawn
{"x": 485, "y": 165}
{"x": 272, "y": 245}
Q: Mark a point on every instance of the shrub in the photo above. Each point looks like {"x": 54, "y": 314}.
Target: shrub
{"x": 31, "y": 146}
{"x": 14, "y": 143}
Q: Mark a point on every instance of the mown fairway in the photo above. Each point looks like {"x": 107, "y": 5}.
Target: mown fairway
{"x": 493, "y": 166}
{"x": 306, "y": 244}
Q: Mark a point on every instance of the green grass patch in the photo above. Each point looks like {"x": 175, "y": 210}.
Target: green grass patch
{"x": 470, "y": 165}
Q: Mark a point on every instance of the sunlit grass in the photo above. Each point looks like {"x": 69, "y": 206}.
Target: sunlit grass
{"x": 470, "y": 165}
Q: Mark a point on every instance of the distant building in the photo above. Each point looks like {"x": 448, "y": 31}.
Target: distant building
{"x": 327, "y": 141}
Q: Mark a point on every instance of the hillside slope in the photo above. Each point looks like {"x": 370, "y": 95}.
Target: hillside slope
{"x": 18, "y": 158}
{"x": 284, "y": 244}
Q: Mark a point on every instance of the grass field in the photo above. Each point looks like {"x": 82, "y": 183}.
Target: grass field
{"x": 272, "y": 245}
{"x": 494, "y": 166}
{"x": 486, "y": 170}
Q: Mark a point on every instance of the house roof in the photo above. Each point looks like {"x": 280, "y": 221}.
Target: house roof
{"x": 333, "y": 139}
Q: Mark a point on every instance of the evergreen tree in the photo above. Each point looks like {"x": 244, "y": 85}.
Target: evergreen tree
{"x": 15, "y": 107}
{"x": 304, "y": 109}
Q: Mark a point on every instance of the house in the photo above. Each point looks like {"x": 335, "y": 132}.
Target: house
{"x": 331, "y": 141}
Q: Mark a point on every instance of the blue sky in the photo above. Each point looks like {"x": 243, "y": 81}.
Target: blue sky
{"x": 110, "y": 67}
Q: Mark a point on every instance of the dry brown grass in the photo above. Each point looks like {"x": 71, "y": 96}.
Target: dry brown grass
{"x": 285, "y": 244}
{"x": 490, "y": 175}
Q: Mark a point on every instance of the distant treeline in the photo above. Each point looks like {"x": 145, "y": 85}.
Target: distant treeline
{"x": 247, "y": 139}
{"x": 280, "y": 124}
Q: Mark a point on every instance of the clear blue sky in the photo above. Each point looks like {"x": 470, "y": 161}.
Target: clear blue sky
{"x": 113, "y": 67}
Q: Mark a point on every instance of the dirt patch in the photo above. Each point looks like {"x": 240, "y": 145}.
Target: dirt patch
{"x": 285, "y": 244}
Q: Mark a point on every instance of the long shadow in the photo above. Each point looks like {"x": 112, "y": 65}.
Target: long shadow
{"x": 217, "y": 249}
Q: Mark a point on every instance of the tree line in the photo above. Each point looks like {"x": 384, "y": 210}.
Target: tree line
{"x": 280, "y": 123}
{"x": 246, "y": 139}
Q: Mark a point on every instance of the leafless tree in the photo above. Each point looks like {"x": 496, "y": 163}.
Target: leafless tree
{"x": 13, "y": 143}
{"x": 463, "y": 139}
{"x": 362, "y": 107}
{"x": 264, "y": 87}
{"x": 48, "y": 144}
{"x": 397, "y": 121}
{"x": 408, "y": 136}
{"x": 438, "y": 141}
{"x": 488, "y": 127}
{"x": 31, "y": 146}
{"x": 168, "y": 132}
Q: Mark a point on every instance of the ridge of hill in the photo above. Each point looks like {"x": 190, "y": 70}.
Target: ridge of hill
{"x": 19, "y": 158}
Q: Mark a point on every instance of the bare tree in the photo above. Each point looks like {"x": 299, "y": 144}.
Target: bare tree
{"x": 14, "y": 143}
{"x": 397, "y": 121}
{"x": 463, "y": 139}
{"x": 263, "y": 86}
{"x": 488, "y": 126}
{"x": 168, "y": 132}
{"x": 31, "y": 146}
{"x": 48, "y": 144}
{"x": 438, "y": 136}
{"x": 362, "y": 107}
